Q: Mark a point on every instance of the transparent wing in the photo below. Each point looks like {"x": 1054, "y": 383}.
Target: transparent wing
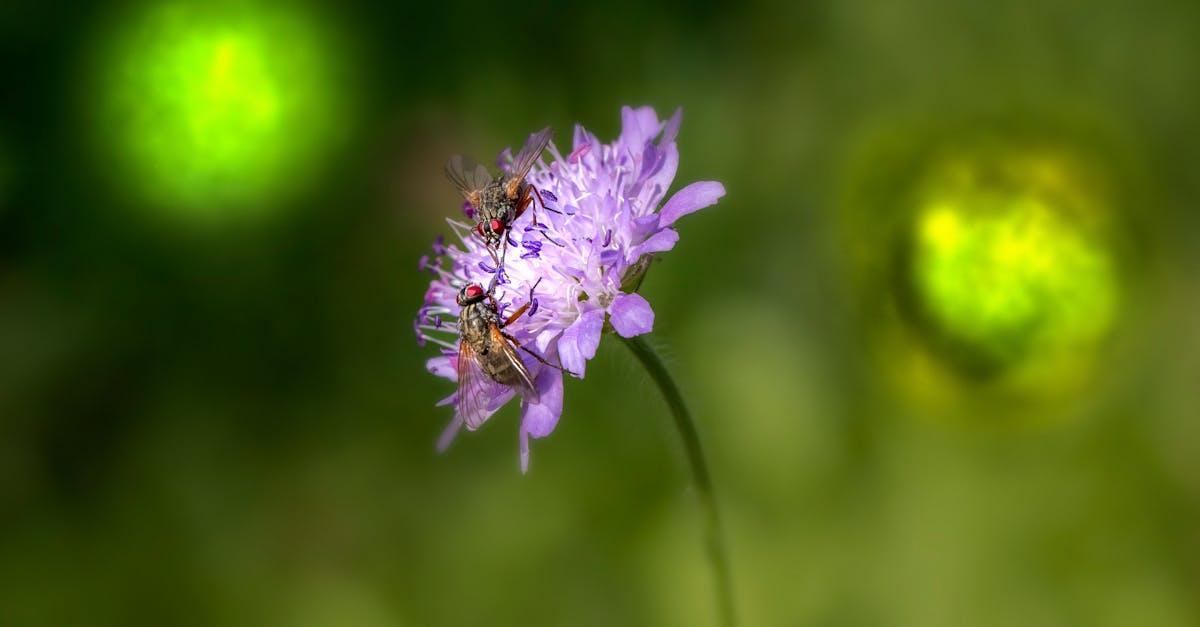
{"x": 476, "y": 390}
{"x": 530, "y": 152}
{"x": 469, "y": 177}
{"x": 510, "y": 353}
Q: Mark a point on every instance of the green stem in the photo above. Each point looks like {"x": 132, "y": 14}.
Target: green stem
{"x": 700, "y": 475}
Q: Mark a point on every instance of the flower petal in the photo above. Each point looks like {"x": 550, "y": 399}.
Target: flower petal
{"x": 660, "y": 242}
{"x": 631, "y": 315}
{"x": 447, "y": 436}
{"x": 671, "y": 129}
{"x": 539, "y": 419}
{"x": 582, "y": 138}
{"x": 691, "y": 198}
{"x": 638, "y": 126}
{"x": 542, "y": 341}
{"x": 655, "y": 187}
{"x": 523, "y": 437}
{"x": 442, "y": 366}
{"x": 578, "y": 343}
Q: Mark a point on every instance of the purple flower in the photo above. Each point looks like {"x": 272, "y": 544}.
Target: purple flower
{"x": 589, "y": 257}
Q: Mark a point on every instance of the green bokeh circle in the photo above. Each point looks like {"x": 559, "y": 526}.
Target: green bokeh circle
{"x": 1008, "y": 261}
{"x": 218, "y": 110}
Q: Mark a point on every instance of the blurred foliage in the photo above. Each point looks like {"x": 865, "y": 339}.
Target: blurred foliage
{"x": 228, "y": 422}
{"x": 216, "y": 108}
{"x": 999, "y": 241}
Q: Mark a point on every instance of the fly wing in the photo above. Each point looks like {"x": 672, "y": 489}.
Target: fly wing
{"x": 476, "y": 390}
{"x": 468, "y": 177}
{"x": 528, "y": 390}
{"x": 529, "y": 153}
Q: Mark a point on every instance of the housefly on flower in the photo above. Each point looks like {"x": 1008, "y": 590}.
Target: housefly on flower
{"x": 486, "y": 355}
{"x": 498, "y": 201}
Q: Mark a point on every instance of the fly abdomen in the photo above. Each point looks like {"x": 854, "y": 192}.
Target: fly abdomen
{"x": 501, "y": 369}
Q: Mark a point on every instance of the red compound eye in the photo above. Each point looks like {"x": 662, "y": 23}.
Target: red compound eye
{"x": 479, "y": 228}
{"x": 474, "y": 291}
{"x": 497, "y": 226}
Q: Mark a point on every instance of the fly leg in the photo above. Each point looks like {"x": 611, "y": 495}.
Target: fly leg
{"x": 527, "y": 202}
{"x": 543, "y": 202}
{"x": 503, "y": 251}
{"x": 535, "y": 355}
{"x": 517, "y": 314}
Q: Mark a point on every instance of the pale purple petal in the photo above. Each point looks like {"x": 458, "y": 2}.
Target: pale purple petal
{"x": 691, "y": 198}
{"x": 660, "y": 242}
{"x": 442, "y": 366}
{"x": 582, "y": 141}
{"x": 523, "y": 439}
{"x": 638, "y": 126}
{"x": 656, "y": 186}
{"x": 542, "y": 342}
{"x": 671, "y": 129}
{"x": 631, "y": 315}
{"x": 578, "y": 343}
{"x": 539, "y": 419}
{"x": 447, "y": 437}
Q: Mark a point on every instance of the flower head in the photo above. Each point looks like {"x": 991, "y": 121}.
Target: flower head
{"x": 578, "y": 266}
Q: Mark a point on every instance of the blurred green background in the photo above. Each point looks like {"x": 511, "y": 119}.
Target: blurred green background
{"x": 941, "y": 336}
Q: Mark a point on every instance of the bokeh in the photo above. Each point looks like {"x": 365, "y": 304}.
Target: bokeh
{"x": 942, "y": 336}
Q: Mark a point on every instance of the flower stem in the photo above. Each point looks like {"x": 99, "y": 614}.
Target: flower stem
{"x": 700, "y": 475}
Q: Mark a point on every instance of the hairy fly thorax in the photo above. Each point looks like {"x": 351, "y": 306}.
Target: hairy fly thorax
{"x": 496, "y": 202}
{"x": 497, "y": 207}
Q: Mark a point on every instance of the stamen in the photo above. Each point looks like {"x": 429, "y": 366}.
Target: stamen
{"x": 440, "y": 342}
{"x": 533, "y": 254}
{"x": 579, "y": 153}
{"x": 446, "y": 276}
{"x": 607, "y": 238}
{"x": 439, "y": 246}
{"x": 533, "y": 307}
{"x": 546, "y": 194}
{"x": 468, "y": 210}
{"x": 553, "y": 241}
{"x": 461, "y": 231}
{"x": 485, "y": 267}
